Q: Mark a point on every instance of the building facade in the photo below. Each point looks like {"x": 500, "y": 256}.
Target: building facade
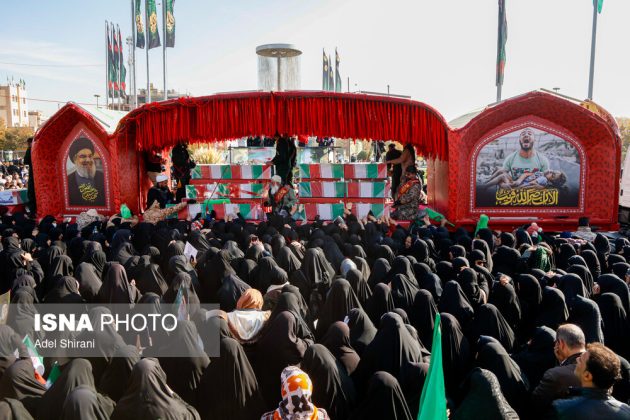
{"x": 156, "y": 95}
{"x": 14, "y": 104}
{"x": 35, "y": 119}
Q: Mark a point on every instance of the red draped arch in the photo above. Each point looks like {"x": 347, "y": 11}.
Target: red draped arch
{"x": 227, "y": 116}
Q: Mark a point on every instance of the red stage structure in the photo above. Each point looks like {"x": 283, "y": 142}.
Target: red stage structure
{"x": 592, "y": 137}
{"x": 451, "y": 153}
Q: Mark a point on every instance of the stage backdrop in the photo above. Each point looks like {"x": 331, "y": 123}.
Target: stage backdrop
{"x": 527, "y": 167}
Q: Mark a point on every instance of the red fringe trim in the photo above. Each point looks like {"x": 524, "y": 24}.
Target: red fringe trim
{"x": 228, "y": 116}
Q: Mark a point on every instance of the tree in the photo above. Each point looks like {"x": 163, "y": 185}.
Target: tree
{"x": 624, "y": 129}
{"x": 3, "y": 128}
{"x": 15, "y": 138}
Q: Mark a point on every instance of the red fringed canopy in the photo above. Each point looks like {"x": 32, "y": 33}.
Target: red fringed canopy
{"x": 325, "y": 114}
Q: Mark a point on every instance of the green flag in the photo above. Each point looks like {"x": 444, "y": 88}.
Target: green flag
{"x": 433, "y": 398}
{"x": 337, "y": 74}
{"x": 600, "y": 4}
{"x": 482, "y": 223}
{"x": 55, "y": 372}
{"x": 153, "y": 35}
{"x": 331, "y": 75}
{"x": 502, "y": 39}
{"x": 110, "y": 64}
{"x": 434, "y": 215}
{"x": 325, "y": 72}
{"x": 169, "y": 34}
{"x": 115, "y": 60}
{"x": 139, "y": 26}
{"x": 122, "y": 75}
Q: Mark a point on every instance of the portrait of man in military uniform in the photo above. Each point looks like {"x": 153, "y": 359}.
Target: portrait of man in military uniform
{"x": 86, "y": 182}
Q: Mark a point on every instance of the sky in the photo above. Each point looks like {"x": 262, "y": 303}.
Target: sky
{"x": 442, "y": 53}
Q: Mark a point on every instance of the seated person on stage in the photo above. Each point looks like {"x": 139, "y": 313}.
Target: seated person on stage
{"x": 410, "y": 196}
{"x": 281, "y": 197}
{"x": 157, "y": 199}
{"x": 160, "y": 192}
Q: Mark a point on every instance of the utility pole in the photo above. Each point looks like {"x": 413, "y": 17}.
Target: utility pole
{"x": 591, "y": 74}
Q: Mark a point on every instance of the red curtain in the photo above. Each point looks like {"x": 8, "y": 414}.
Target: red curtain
{"x": 221, "y": 117}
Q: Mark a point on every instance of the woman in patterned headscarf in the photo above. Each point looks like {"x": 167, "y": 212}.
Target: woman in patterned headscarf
{"x": 296, "y": 387}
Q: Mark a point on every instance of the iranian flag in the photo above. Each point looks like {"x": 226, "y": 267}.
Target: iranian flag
{"x": 321, "y": 189}
{"x": 211, "y": 172}
{"x": 231, "y": 172}
{"x": 36, "y": 359}
{"x": 325, "y": 211}
{"x": 321, "y": 171}
{"x": 367, "y": 189}
{"x": 196, "y": 172}
{"x": 361, "y": 210}
{"x": 220, "y": 172}
{"x": 232, "y": 190}
{"x": 181, "y": 305}
{"x": 192, "y": 192}
{"x": 248, "y": 211}
{"x": 21, "y": 196}
{"x": 365, "y": 171}
{"x": 249, "y": 171}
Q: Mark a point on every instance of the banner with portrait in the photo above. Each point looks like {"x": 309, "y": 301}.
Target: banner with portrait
{"x": 528, "y": 167}
{"x": 85, "y": 180}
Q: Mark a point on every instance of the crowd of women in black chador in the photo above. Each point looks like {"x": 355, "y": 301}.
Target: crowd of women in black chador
{"x": 363, "y": 337}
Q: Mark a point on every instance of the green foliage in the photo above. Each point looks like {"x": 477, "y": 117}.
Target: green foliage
{"x": 624, "y": 129}
{"x": 3, "y": 128}
{"x": 14, "y": 138}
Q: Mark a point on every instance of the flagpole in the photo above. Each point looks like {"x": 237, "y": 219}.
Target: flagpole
{"x": 147, "y": 97}
{"x": 120, "y": 64}
{"x": 499, "y": 85}
{"x": 164, "y": 46}
{"x": 133, "y": 54}
{"x": 106, "y": 67}
{"x": 593, "y": 41}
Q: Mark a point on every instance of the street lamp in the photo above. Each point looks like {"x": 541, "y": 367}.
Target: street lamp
{"x": 97, "y": 96}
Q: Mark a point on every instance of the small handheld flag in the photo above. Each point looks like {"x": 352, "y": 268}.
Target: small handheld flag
{"x": 433, "y": 398}
{"x": 36, "y": 359}
{"x": 55, "y": 372}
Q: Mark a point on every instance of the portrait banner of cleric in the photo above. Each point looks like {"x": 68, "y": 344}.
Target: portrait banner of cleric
{"x": 86, "y": 182}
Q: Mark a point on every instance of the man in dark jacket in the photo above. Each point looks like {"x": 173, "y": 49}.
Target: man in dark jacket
{"x": 31, "y": 182}
{"x": 597, "y": 370}
{"x": 285, "y": 158}
{"x": 160, "y": 192}
{"x": 555, "y": 384}
{"x": 394, "y": 169}
{"x": 182, "y": 164}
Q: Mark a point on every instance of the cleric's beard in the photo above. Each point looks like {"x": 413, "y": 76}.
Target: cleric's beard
{"x": 274, "y": 189}
{"x": 88, "y": 173}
